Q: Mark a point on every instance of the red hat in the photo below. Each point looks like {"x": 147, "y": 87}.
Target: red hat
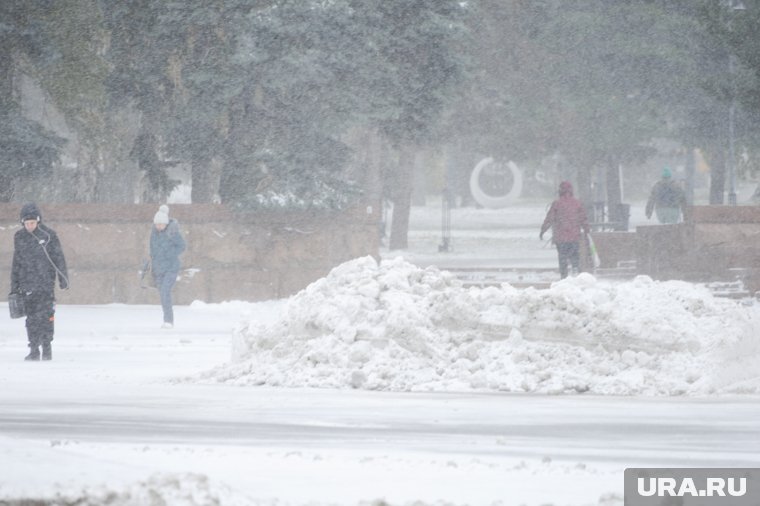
{"x": 565, "y": 188}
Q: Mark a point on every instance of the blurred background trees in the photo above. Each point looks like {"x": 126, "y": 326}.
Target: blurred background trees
{"x": 311, "y": 103}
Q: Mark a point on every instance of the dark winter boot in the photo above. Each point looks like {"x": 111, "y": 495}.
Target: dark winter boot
{"x": 47, "y": 351}
{"x": 34, "y": 352}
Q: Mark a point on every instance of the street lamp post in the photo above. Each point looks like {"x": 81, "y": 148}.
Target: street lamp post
{"x": 731, "y": 149}
{"x": 734, "y": 5}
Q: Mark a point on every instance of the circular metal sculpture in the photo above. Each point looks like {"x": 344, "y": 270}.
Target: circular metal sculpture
{"x": 495, "y": 184}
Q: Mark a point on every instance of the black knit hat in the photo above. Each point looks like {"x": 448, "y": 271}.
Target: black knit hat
{"x": 30, "y": 211}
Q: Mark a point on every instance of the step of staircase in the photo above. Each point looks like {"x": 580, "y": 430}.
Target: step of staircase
{"x": 542, "y": 278}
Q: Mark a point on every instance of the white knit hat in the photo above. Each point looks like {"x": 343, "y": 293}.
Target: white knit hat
{"x": 162, "y": 216}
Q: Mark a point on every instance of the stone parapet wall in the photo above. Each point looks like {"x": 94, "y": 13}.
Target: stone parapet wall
{"x": 614, "y": 247}
{"x": 726, "y": 238}
{"x": 231, "y": 254}
{"x": 713, "y": 243}
{"x": 723, "y": 214}
{"x": 661, "y": 250}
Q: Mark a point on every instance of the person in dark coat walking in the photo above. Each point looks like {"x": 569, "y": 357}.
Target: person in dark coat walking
{"x": 567, "y": 219}
{"x": 667, "y": 199}
{"x": 166, "y": 245}
{"x": 37, "y": 261}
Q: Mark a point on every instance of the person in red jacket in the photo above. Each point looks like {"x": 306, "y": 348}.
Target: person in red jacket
{"x": 567, "y": 219}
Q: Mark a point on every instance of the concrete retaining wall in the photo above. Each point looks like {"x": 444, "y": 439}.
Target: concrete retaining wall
{"x": 231, "y": 254}
{"x": 713, "y": 243}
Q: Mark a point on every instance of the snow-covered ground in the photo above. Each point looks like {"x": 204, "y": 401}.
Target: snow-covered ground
{"x": 488, "y": 237}
{"x": 386, "y": 382}
{"x": 485, "y": 237}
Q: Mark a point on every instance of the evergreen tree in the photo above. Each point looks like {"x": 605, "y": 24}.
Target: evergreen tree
{"x": 292, "y": 65}
{"x": 593, "y": 81}
{"x": 143, "y": 74}
{"x": 27, "y": 150}
{"x": 730, "y": 79}
{"x": 413, "y": 73}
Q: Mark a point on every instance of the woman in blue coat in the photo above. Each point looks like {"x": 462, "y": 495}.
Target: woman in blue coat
{"x": 166, "y": 245}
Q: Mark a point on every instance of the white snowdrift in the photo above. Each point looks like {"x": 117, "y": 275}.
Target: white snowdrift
{"x": 192, "y": 489}
{"x": 394, "y": 326}
{"x": 165, "y": 489}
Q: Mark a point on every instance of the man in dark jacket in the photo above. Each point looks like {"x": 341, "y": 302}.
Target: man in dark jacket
{"x": 37, "y": 261}
{"x": 667, "y": 199}
{"x": 566, "y": 218}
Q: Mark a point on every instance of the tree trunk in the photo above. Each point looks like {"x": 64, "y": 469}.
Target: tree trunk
{"x": 371, "y": 177}
{"x": 6, "y": 186}
{"x": 419, "y": 177}
{"x": 6, "y": 104}
{"x": 458, "y": 169}
{"x": 206, "y": 175}
{"x": 368, "y": 167}
{"x": 583, "y": 185}
{"x": 6, "y": 81}
{"x": 614, "y": 192}
{"x": 717, "y": 176}
{"x": 691, "y": 165}
{"x": 118, "y": 183}
{"x": 401, "y": 194}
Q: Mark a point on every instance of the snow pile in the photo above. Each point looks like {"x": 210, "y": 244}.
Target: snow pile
{"x": 191, "y": 489}
{"x": 394, "y": 326}
{"x": 187, "y": 489}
